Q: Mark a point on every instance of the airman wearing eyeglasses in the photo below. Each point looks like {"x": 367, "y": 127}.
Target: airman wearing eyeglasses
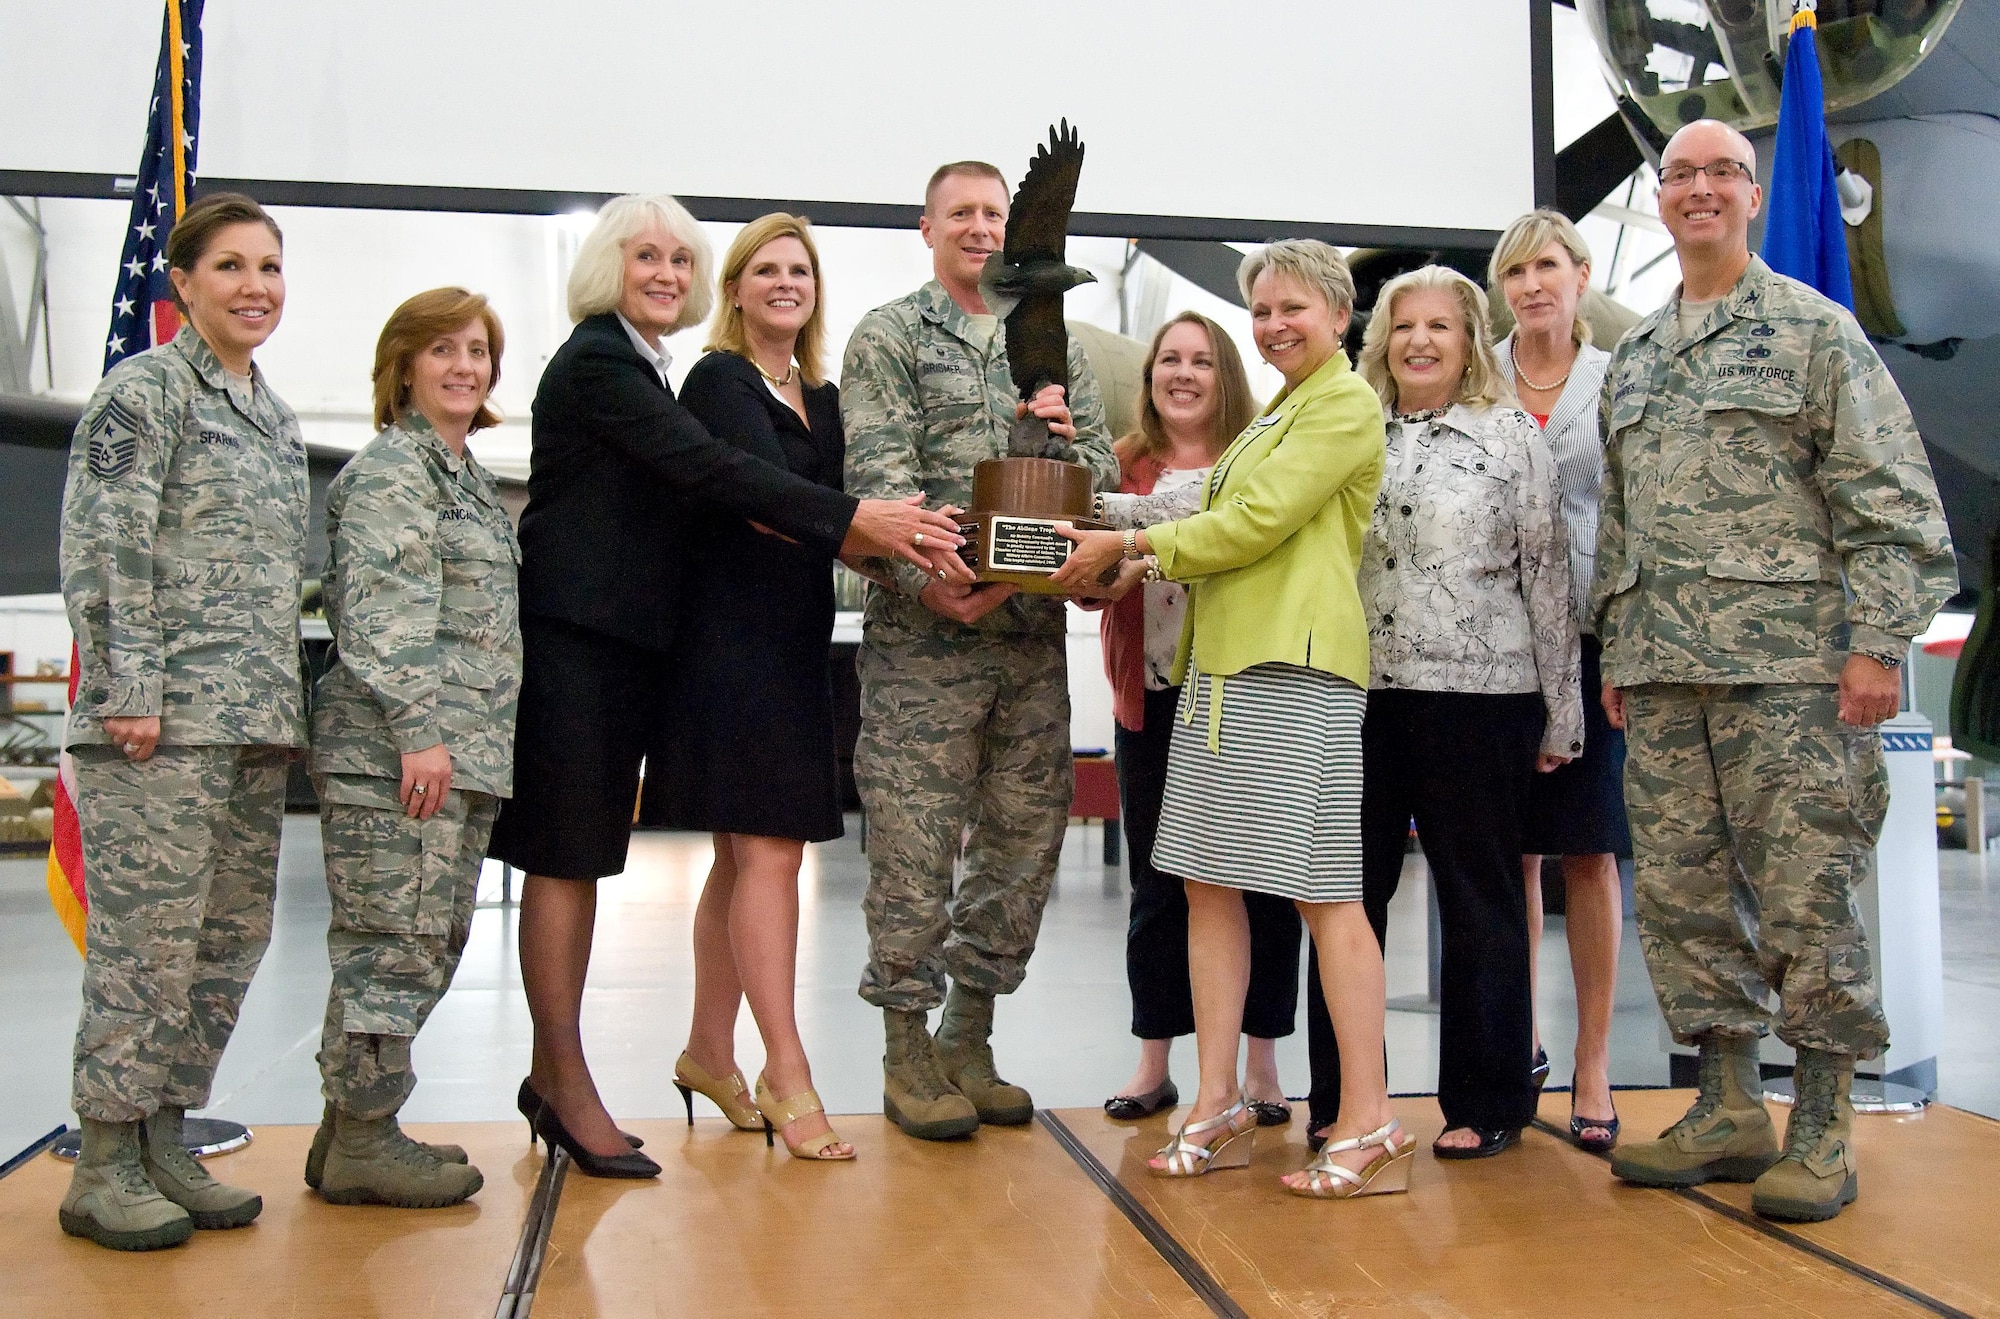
{"x": 1771, "y": 539}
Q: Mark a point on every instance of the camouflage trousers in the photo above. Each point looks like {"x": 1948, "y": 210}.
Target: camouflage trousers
{"x": 402, "y": 893}
{"x": 1754, "y": 818}
{"x": 964, "y": 744}
{"x": 180, "y": 863}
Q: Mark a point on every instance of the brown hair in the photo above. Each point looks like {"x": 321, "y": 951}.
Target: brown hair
{"x": 195, "y": 231}
{"x": 976, "y": 169}
{"x": 413, "y": 327}
{"x": 1234, "y": 407}
{"x": 727, "y": 335}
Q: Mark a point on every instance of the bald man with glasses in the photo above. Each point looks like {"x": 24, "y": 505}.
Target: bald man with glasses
{"x": 1771, "y": 539}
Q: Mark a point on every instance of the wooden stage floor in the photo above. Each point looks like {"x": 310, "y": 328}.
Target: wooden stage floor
{"x": 1055, "y": 1219}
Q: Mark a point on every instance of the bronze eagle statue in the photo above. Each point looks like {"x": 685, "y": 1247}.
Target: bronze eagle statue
{"x": 1025, "y": 286}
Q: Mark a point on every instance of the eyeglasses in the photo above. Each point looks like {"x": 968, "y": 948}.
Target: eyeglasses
{"x": 1678, "y": 176}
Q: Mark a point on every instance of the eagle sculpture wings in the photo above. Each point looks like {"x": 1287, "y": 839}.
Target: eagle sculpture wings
{"x": 1025, "y": 286}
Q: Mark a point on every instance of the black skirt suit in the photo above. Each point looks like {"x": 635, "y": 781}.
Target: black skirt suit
{"x": 752, "y": 707}
{"x": 617, "y": 473}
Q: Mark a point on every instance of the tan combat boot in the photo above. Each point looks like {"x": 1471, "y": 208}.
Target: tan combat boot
{"x": 965, "y": 1051}
{"x": 1725, "y": 1137}
{"x": 111, "y": 1201}
{"x": 1816, "y": 1178}
{"x": 183, "y": 1180}
{"x": 323, "y": 1141}
{"x": 370, "y": 1161}
{"x": 915, "y": 1094}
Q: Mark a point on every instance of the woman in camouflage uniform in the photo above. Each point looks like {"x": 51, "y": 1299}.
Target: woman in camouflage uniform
{"x": 184, "y": 526}
{"x": 412, "y": 735}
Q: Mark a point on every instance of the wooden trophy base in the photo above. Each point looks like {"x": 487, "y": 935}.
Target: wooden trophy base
{"x": 1017, "y": 503}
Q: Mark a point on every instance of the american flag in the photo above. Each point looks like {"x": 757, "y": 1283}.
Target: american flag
{"x": 143, "y": 314}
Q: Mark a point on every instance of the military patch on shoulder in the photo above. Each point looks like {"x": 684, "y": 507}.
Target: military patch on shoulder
{"x": 114, "y": 442}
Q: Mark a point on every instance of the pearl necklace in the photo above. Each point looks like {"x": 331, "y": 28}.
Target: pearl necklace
{"x": 1514, "y": 357}
{"x": 790, "y": 371}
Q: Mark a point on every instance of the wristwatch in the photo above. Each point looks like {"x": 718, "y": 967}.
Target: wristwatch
{"x": 1890, "y": 661}
{"x": 1131, "y": 542}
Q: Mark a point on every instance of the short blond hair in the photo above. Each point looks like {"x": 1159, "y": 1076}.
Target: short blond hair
{"x": 1524, "y": 239}
{"x": 597, "y": 280}
{"x": 727, "y": 334}
{"x": 1312, "y": 263}
{"x": 415, "y": 326}
{"x": 1481, "y": 384}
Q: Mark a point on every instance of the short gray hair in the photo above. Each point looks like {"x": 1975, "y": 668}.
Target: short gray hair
{"x": 1524, "y": 239}
{"x": 1482, "y": 385}
{"x": 1312, "y": 263}
{"x": 597, "y": 280}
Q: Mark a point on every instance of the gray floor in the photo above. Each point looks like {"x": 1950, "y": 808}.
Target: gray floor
{"x": 1064, "y": 1035}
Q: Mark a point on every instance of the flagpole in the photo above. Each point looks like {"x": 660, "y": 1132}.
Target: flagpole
{"x": 177, "y": 100}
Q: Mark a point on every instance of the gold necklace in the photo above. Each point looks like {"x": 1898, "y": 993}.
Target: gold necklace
{"x": 791, "y": 371}
{"x": 1514, "y": 356}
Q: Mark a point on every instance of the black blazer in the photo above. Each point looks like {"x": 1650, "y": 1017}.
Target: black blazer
{"x": 615, "y": 468}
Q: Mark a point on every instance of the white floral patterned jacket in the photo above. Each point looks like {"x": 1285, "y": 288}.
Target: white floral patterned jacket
{"x": 1465, "y": 575}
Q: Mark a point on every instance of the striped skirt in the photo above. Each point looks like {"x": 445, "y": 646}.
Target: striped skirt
{"x": 1275, "y": 806}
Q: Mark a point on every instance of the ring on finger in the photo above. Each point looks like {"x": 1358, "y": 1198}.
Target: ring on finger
{"x": 131, "y": 748}
{"x": 420, "y": 788}
{"x": 918, "y": 540}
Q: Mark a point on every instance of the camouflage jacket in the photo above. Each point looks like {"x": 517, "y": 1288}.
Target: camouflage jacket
{"x": 1767, "y": 505}
{"x": 422, "y": 598}
{"x": 921, "y": 406}
{"x": 183, "y": 546}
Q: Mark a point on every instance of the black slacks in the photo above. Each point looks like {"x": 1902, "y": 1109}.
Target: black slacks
{"x": 1459, "y": 764}
{"x": 1156, "y": 949}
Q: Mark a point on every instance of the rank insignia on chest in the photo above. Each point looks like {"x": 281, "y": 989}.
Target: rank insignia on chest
{"x": 114, "y": 442}
{"x": 1759, "y": 351}
{"x": 1764, "y": 331}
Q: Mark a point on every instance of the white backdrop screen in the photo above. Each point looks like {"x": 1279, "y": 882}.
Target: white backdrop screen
{"x": 1351, "y": 112}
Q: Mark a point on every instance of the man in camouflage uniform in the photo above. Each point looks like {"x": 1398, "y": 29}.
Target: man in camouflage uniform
{"x": 421, "y": 596}
{"x": 184, "y": 523}
{"x": 1771, "y": 541}
{"x": 964, "y": 690}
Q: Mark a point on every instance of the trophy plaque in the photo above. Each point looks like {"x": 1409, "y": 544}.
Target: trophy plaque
{"x": 1010, "y": 534}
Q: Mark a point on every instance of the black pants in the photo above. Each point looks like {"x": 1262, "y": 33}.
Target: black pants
{"x": 1156, "y": 941}
{"x": 1460, "y": 765}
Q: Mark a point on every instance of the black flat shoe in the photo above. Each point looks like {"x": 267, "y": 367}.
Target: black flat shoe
{"x": 1271, "y": 1112}
{"x": 531, "y": 1105}
{"x": 632, "y": 1165}
{"x": 1490, "y": 1143}
{"x": 1130, "y": 1108}
{"x": 1594, "y": 1144}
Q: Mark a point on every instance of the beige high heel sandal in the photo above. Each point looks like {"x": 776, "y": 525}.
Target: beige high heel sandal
{"x": 1184, "y": 1158}
{"x": 1387, "y": 1175}
{"x": 779, "y": 1114}
{"x": 729, "y": 1094}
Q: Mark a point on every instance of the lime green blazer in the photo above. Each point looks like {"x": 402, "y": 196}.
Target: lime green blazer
{"x": 1273, "y": 554}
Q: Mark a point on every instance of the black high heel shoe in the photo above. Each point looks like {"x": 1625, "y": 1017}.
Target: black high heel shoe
{"x": 532, "y": 1104}
{"x": 631, "y": 1165}
{"x": 1538, "y": 1075}
{"x": 1594, "y": 1144}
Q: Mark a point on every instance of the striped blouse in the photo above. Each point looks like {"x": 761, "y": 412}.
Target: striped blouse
{"x": 1579, "y": 451}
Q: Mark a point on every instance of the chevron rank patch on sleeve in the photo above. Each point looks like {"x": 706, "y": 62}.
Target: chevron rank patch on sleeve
{"x": 114, "y": 442}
